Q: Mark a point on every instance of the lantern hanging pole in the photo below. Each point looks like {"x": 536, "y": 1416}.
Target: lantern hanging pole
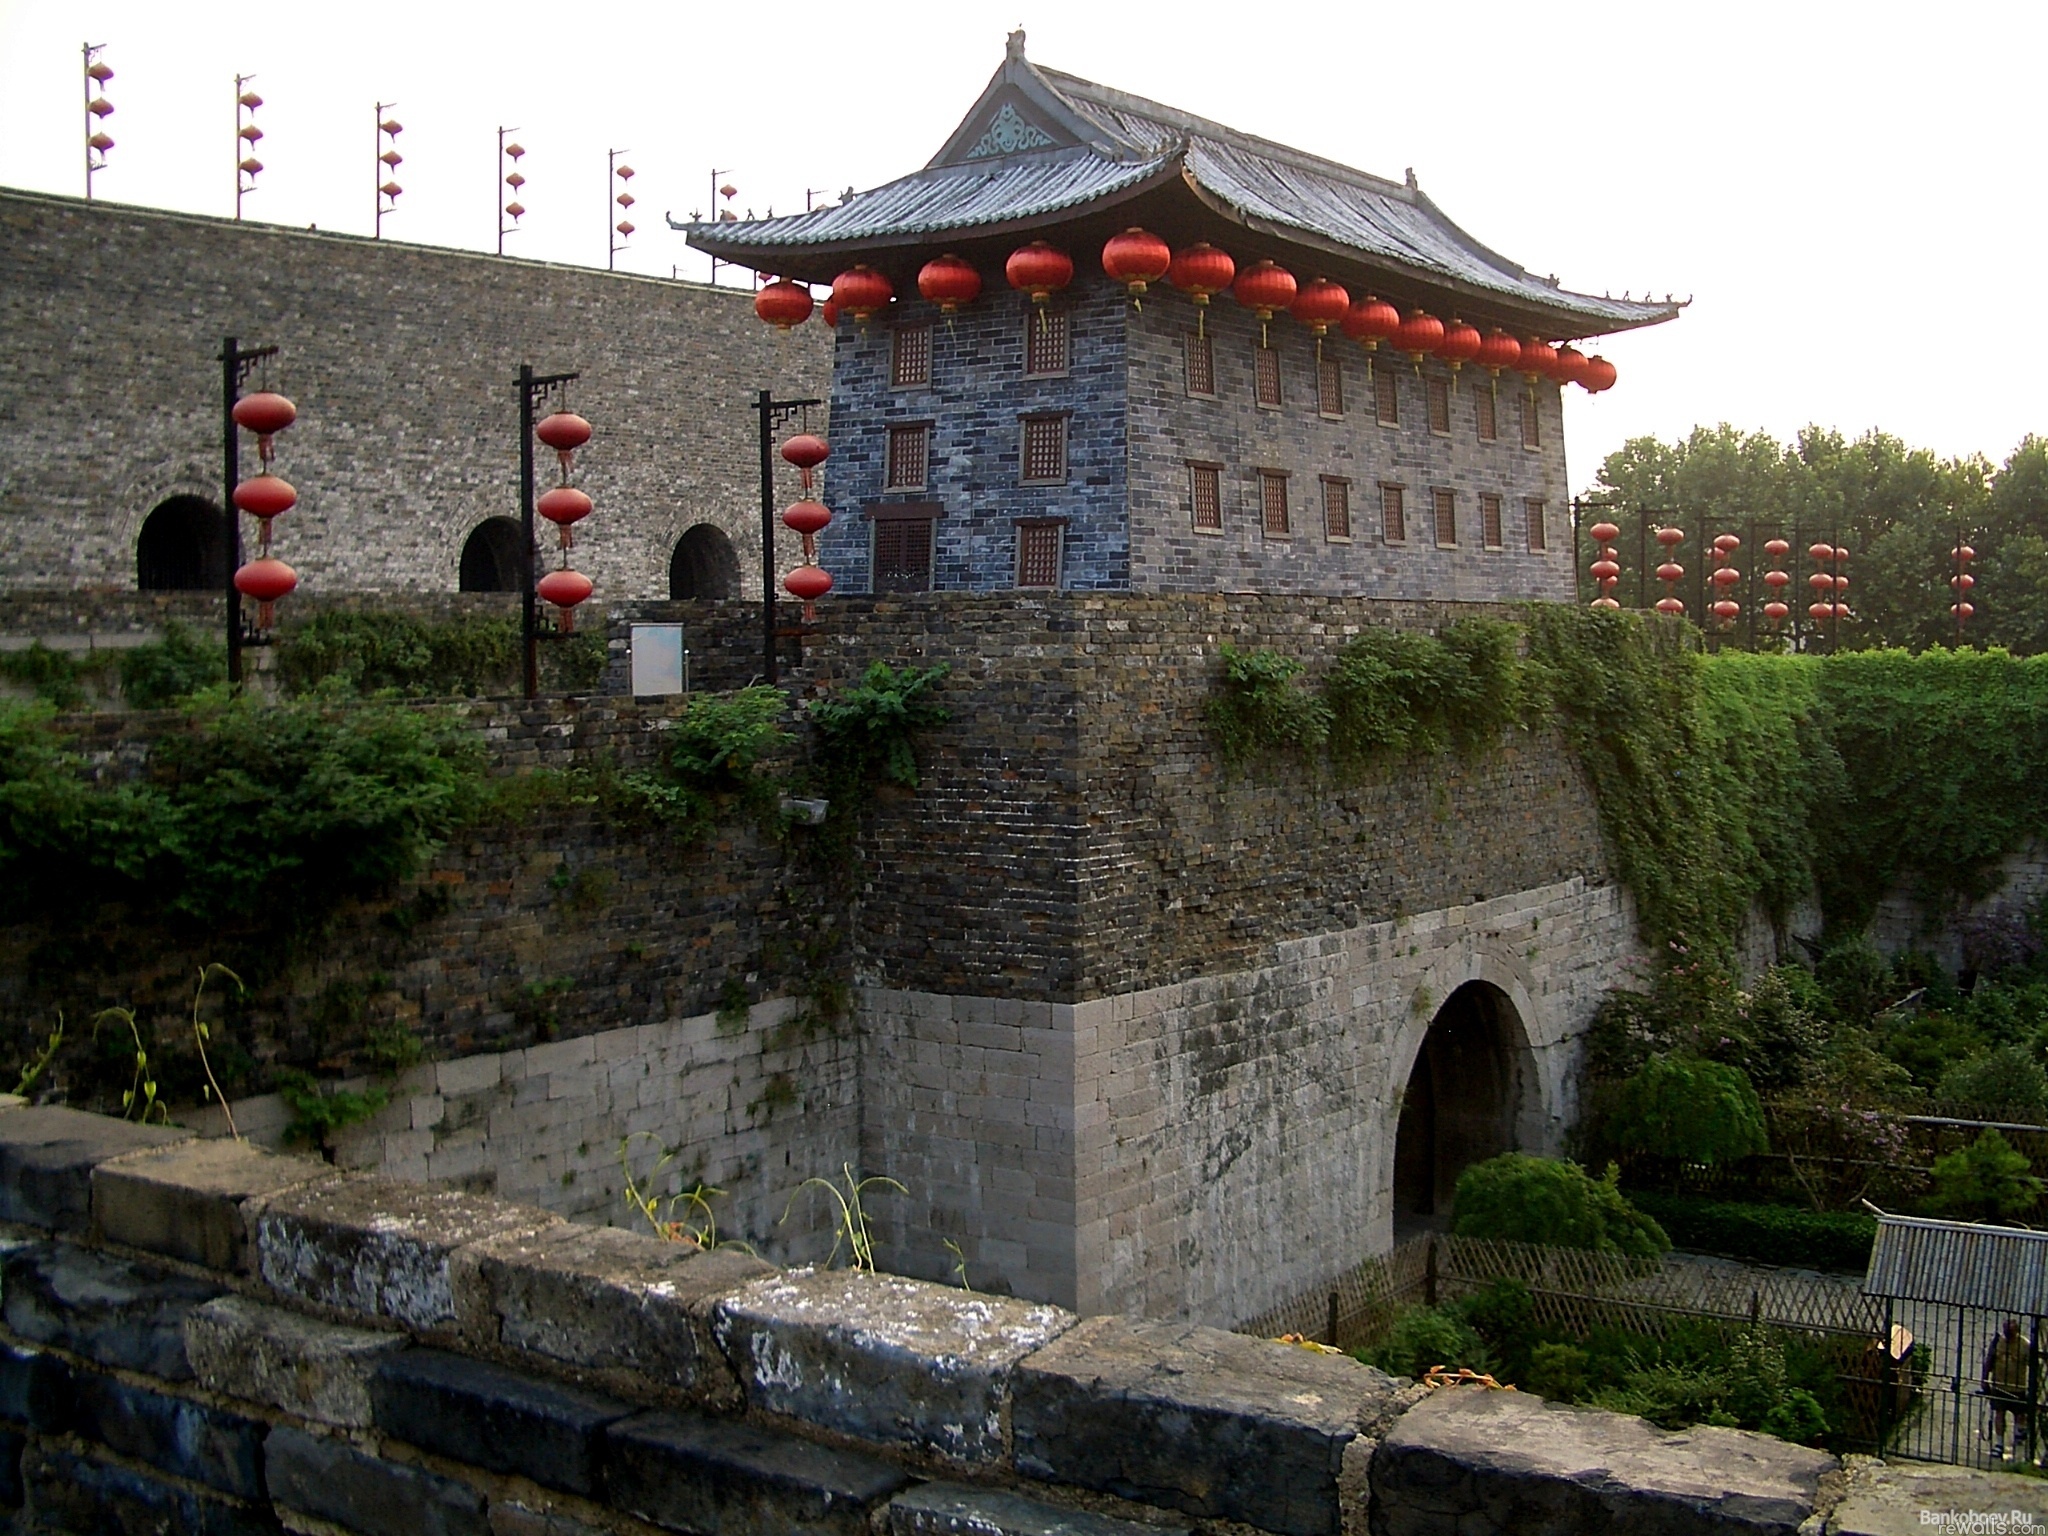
{"x": 95, "y": 109}
{"x": 715, "y": 174}
{"x": 235, "y": 363}
{"x": 530, "y": 385}
{"x": 773, "y": 413}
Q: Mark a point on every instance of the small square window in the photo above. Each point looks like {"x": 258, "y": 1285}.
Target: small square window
{"x": 1038, "y": 554}
{"x": 1446, "y": 509}
{"x": 1532, "y": 423}
{"x": 1489, "y": 521}
{"x": 1538, "y": 535}
{"x": 1393, "y": 514}
{"x": 1336, "y": 510}
{"x": 909, "y": 457}
{"x": 1045, "y": 450}
{"x": 902, "y": 555}
{"x": 910, "y": 360}
{"x": 1045, "y": 342}
{"x": 1205, "y": 490}
{"x": 1440, "y": 407}
{"x": 1386, "y": 396}
{"x": 1266, "y": 377}
{"x": 1201, "y": 362}
{"x": 1483, "y": 409}
{"x": 1329, "y": 387}
{"x": 1273, "y": 502}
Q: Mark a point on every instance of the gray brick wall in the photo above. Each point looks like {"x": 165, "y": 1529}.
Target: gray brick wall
{"x": 401, "y": 360}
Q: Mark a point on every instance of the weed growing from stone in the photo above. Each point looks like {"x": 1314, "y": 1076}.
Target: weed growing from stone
{"x": 851, "y": 1229}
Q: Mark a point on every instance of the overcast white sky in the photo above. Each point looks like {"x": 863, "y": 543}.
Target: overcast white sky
{"x": 1852, "y": 192}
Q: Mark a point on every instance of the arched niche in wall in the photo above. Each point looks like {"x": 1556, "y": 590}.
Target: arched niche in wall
{"x": 704, "y": 565}
{"x": 182, "y": 547}
{"x": 1461, "y": 1102}
{"x": 490, "y": 557}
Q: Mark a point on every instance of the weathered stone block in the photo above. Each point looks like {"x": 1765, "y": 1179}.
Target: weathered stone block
{"x": 490, "y": 1417}
{"x": 35, "y": 1389}
{"x": 70, "y": 1492}
{"x": 187, "y": 1200}
{"x": 190, "y": 1440}
{"x": 123, "y": 1314}
{"x": 331, "y": 1480}
{"x": 511, "y": 1518}
{"x": 892, "y": 1360}
{"x": 952, "y": 1509}
{"x": 47, "y": 1155}
{"x": 691, "y": 1473}
{"x": 606, "y": 1299}
{"x": 1486, "y": 1462}
{"x": 1898, "y": 1498}
{"x": 1210, "y": 1423}
{"x": 261, "y": 1354}
{"x": 378, "y": 1247}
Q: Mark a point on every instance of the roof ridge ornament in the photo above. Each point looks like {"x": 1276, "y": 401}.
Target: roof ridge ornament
{"x": 1013, "y": 46}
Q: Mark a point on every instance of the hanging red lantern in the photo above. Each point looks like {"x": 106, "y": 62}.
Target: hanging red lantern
{"x": 1670, "y": 571}
{"x": 1821, "y": 552}
{"x": 1776, "y": 579}
{"x": 806, "y": 451}
{"x": 1539, "y": 360}
{"x": 1670, "y": 538}
{"x": 1600, "y": 375}
{"x": 1962, "y": 581}
{"x": 1263, "y": 288}
{"x": 1962, "y": 611}
{"x": 565, "y": 432}
{"x": 783, "y": 304}
{"x": 808, "y": 518}
{"x": 1498, "y": 350}
{"x": 1820, "y": 613}
{"x": 1821, "y": 581}
{"x": 266, "y": 414}
{"x": 1039, "y": 270}
{"x": 565, "y": 589}
{"x": 1570, "y": 366}
{"x": 1727, "y": 610}
{"x": 1777, "y": 549}
{"x": 830, "y": 311}
{"x": 1776, "y": 612}
{"x": 949, "y": 282}
{"x": 266, "y": 580}
{"x": 1201, "y": 271}
{"x": 1605, "y": 569}
{"x": 563, "y": 505}
{"x": 1137, "y": 258}
{"x": 1371, "y": 321}
{"x": 265, "y": 496}
{"x": 1963, "y": 552}
{"x": 1420, "y": 334}
{"x": 808, "y": 583}
{"x": 1460, "y": 345}
{"x": 860, "y": 291}
{"x": 1320, "y": 305}
{"x": 1604, "y": 533}
{"x": 1725, "y": 543}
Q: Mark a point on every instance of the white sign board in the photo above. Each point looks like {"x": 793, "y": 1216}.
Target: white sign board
{"x": 657, "y": 659}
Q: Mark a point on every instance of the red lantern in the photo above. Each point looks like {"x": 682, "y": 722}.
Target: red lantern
{"x": 1570, "y": 366}
{"x": 830, "y": 310}
{"x": 808, "y": 582}
{"x": 949, "y": 282}
{"x": 1039, "y": 270}
{"x": 1777, "y": 549}
{"x": 1604, "y": 533}
{"x": 266, "y": 415}
{"x": 565, "y": 432}
{"x": 1420, "y": 333}
{"x": 1962, "y": 611}
{"x": 265, "y": 496}
{"x": 861, "y": 291}
{"x": 1498, "y": 350}
{"x": 1820, "y": 613}
{"x": 1821, "y": 552}
{"x": 806, "y": 451}
{"x": 1963, "y": 552}
{"x": 1776, "y": 579}
{"x": 807, "y": 518}
{"x": 1137, "y": 258}
{"x": 1776, "y": 612}
{"x": 563, "y": 505}
{"x": 783, "y": 304}
{"x": 1670, "y": 605}
{"x": 1371, "y": 321}
{"x": 1727, "y": 610}
{"x": 1321, "y": 305}
{"x": 1605, "y": 570}
{"x": 1600, "y": 376}
{"x": 1607, "y": 603}
{"x": 1539, "y": 360}
{"x": 1670, "y": 538}
{"x": 565, "y": 589}
{"x": 1962, "y": 581}
{"x": 1460, "y": 345}
{"x": 266, "y": 580}
{"x": 1201, "y": 271}
{"x": 1262, "y": 288}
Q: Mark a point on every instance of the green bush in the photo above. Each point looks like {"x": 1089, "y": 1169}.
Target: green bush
{"x": 1263, "y": 708}
{"x": 1556, "y": 1370}
{"x": 1523, "y": 1199}
{"x": 1423, "y": 1338}
{"x": 2004, "y": 1083}
{"x": 1987, "y": 1180}
{"x": 170, "y": 670}
{"x": 374, "y": 652}
{"x": 1764, "y": 1234}
{"x": 1684, "y": 1108}
{"x": 866, "y": 732}
{"x": 1928, "y": 1044}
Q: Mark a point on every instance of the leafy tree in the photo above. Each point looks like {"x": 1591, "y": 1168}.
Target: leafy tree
{"x": 2006, "y": 1079}
{"x": 1524, "y": 1199}
{"x": 1989, "y": 1178}
{"x": 1689, "y": 1109}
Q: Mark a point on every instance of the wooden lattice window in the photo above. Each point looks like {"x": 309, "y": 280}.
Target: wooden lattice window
{"x": 1386, "y": 396}
{"x": 909, "y": 457}
{"x": 1201, "y": 360}
{"x": 1445, "y": 506}
{"x": 1489, "y": 521}
{"x": 1329, "y": 386}
{"x": 1045, "y": 341}
{"x": 1440, "y": 407}
{"x": 1045, "y": 450}
{"x": 903, "y": 555}
{"x": 1538, "y": 535}
{"x": 1205, "y": 497}
{"x": 1532, "y": 423}
{"x": 1273, "y": 502}
{"x": 1038, "y": 554}
{"x": 910, "y": 358}
{"x": 1266, "y": 376}
{"x": 1393, "y": 514}
{"x": 1483, "y": 410}
{"x": 1336, "y": 509}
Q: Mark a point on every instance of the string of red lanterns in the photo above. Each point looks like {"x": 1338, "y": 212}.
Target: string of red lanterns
{"x": 1606, "y": 570}
{"x": 1724, "y": 577}
{"x": 564, "y": 506}
{"x": 809, "y": 581}
{"x": 1960, "y": 584}
{"x": 1669, "y": 571}
{"x": 1777, "y": 609}
{"x": 265, "y": 497}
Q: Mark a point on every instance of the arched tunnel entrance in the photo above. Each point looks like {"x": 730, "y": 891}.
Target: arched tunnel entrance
{"x": 1460, "y": 1103}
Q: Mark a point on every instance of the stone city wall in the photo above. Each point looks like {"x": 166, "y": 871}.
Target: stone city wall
{"x": 202, "y": 1337}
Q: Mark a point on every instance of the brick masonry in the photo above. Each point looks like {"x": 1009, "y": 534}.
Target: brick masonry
{"x": 402, "y": 362}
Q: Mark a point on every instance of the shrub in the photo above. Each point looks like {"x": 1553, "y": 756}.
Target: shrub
{"x": 1556, "y": 1370}
{"x": 1691, "y": 1110}
{"x": 1262, "y": 707}
{"x": 161, "y": 674}
{"x": 1523, "y": 1199}
{"x": 1988, "y": 1179}
{"x": 2005, "y": 1082}
{"x": 1425, "y": 1337}
{"x": 1764, "y": 1234}
{"x": 372, "y": 652}
{"x": 1928, "y": 1044}
{"x": 866, "y": 731}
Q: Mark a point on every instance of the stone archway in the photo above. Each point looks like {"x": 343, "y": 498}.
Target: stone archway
{"x": 704, "y": 565}
{"x": 182, "y": 547}
{"x": 1463, "y": 1102}
{"x": 490, "y": 557}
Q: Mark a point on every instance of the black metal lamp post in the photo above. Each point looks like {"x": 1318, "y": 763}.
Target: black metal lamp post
{"x": 235, "y": 363}
{"x": 773, "y": 413}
